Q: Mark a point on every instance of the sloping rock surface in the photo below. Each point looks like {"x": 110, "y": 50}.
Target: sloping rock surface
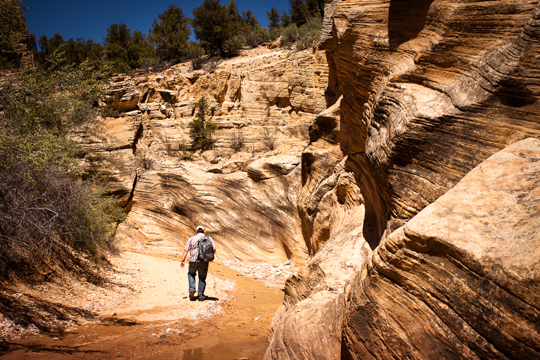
{"x": 462, "y": 278}
{"x": 244, "y": 190}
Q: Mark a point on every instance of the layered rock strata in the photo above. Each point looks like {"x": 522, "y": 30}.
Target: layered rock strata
{"x": 244, "y": 191}
{"x": 461, "y": 280}
{"x": 423, "y": 93}
{"x": 431, "y": 89}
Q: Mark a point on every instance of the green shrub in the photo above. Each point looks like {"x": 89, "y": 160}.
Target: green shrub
{"x": 183, "y": 149}
{"x": 309, "y": 34}
{"x": 289, "y": 35}
{"x": 256, "y": 37}
{"x": 47, "y": 210}
{"x": 201, "y": 130}
{"x": 233, "y": 45}
{"x": 304, "y": 36}
{"x": 269, "y": 139}
{"x": 143, "y": 161}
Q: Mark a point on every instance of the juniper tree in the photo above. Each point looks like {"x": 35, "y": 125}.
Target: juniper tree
{"x": 170, "y": 34}
{"x": 201, "y": 130}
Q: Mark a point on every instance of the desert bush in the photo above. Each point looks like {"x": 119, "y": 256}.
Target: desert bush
{"x": 233, "y": 45}
{"x": 45, "y": 206}
{"x": 304, "y": 36}
{"x": 198, "y": 63}
{"x": 289, "y": 35}
{"x": 237, "y": 141}
{"x": 309, "y": 34}
{"x": 183, "y": 149}
{"x": 256, "y": 37}
{"x": 269, "y": 139}
{"x": 143, "y": 161}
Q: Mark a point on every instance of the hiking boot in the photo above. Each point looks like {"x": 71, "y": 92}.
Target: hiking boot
{"x": 192, "y": 296}
{"x": 202, "y": 298}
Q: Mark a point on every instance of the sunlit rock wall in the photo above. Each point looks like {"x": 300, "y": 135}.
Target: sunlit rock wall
{"x": 245, "y": 197}
{"x": 421, "y": 93}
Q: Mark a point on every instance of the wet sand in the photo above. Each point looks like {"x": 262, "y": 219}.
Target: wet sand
{"x": 161, "y": 322}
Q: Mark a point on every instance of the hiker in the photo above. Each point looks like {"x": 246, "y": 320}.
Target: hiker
{"x": 196, "y": 263}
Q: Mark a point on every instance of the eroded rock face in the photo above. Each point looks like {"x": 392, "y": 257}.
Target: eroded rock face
{"x": 244, "y": 191}
{"x": 462, "y": 278}
{"x": 423, "y": 92}
{"x": 124, "y": 94}
{"x": 271, "y": 167}
{"x": 249, "y": 220}
{"x": 431, "y": 89}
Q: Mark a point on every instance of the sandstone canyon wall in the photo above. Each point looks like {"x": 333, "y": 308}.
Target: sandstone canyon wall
{"x": 419, "y": 94}
{"x": 246, "y": 198}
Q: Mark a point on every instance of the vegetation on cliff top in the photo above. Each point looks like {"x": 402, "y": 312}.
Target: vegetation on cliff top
{"x": 221, "y": 30}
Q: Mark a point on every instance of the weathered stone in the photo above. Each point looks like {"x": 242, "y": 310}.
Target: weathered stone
{"x": 250, "y": 220}
{"x": 124, "y": 95}
{"x": 153, "y": 106}
{"x": 462, "y": 278}
{"x": 133, "y": 113}
{"x": 428, "y": 91}
{"x": 168, "y": 96}
{"x": 156, "y": 114}
{"x": 270, "y": 167}
{"x": 21, "y": 44}
{"x": 247, "y": 219}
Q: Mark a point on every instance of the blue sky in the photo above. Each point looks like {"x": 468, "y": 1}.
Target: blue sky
{"x": 90, "y": 19}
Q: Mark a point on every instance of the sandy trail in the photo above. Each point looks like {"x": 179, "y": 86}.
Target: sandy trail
{"x": 156, "y": 320}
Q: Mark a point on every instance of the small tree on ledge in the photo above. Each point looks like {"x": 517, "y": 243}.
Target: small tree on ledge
{"x": 200, "y": 130}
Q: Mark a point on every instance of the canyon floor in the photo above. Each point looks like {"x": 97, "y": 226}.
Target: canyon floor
{"x": 143, "y": 312}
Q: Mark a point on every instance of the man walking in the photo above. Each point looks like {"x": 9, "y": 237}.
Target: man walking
{"x": 196, "y": 265}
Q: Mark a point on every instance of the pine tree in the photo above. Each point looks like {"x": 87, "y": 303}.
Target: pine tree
{"x": 218, "y": 27}
{"x": 273, "y": 18}
{"x": 126, "y": 49}
{"x": 170, "y": 34}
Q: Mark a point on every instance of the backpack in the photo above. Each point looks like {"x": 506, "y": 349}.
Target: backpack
{"x": 206, "y": 250}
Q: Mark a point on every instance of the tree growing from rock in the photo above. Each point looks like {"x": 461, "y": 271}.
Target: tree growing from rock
{"x": 170, "y": 34}
{"x": 201, "y": 129}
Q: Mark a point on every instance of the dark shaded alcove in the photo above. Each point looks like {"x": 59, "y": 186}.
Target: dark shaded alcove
{"x": 406, "y": 19}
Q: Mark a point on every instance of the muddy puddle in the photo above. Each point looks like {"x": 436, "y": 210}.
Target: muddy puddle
{"x": 239, "y": 331}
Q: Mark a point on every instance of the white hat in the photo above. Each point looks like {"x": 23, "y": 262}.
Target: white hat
{"x": 200, "y": 228}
